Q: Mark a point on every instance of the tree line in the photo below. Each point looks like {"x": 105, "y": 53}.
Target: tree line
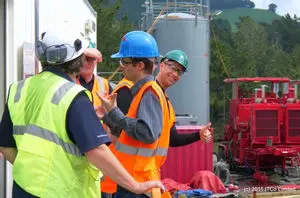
{"x": 255, "y": 49}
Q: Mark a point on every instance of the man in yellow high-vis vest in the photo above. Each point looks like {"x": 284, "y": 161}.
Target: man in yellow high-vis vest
{"x": 50, "y": 131}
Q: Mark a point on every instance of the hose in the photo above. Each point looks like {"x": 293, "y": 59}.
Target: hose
{"x": 243, "y": 171}
{"x": 221, "y": 170}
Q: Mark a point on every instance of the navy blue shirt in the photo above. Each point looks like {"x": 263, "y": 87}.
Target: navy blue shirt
{"x": 83, "y": 127}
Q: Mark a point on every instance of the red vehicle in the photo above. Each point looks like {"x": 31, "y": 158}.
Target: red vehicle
{"x": 263, "y": 132}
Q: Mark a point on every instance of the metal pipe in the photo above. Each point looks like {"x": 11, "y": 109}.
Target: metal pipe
{"x": 3, "y": 163}
{"x": 276, "y": 89}
{"x": 36, "y": 29}
{"x": 3, "y": 88}
{"x": 263, "y": 91}
{"x": 256, "y": 90}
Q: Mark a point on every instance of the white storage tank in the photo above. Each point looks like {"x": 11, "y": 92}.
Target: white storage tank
{"x": 187, "y": 29}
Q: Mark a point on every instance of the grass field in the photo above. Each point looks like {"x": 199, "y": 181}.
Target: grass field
{"x": 258, "y": 15}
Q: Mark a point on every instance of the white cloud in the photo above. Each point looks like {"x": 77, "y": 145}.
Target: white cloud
{"x": 283, "y": 6}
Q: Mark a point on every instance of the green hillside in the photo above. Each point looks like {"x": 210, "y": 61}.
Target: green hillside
{"x": 258, "y": 15}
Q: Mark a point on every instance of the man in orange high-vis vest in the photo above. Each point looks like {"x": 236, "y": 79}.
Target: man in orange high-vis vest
{"x": 172, "y": 67}
{"x": 108, "y": 186}
{"x": 143, "y": 142}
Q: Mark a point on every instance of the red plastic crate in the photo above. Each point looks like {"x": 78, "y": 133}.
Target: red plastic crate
{"x": 183, "y": 162}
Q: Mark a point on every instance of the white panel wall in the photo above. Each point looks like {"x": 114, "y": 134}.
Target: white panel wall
{"x": 2, "y": 88}
{"x": 19, "y": 29}
{"x": 55, "y": 14}
{"x": 70, "y": 13}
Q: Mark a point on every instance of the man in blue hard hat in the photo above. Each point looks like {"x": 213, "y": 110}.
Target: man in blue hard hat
{"x": 174, "y": 69}
{"x": 142, "y": 144}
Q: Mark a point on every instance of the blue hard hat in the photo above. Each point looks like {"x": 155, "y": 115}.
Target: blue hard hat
{"x": 137, "y": 44}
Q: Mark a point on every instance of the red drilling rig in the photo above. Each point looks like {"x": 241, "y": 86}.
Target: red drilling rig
{"x": 263, "y": 132}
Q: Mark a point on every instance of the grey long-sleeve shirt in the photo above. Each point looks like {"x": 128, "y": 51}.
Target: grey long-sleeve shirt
{"x": 148, "y": 124}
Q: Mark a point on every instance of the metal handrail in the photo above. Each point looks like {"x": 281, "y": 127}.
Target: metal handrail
{"x": 157, "y": 9}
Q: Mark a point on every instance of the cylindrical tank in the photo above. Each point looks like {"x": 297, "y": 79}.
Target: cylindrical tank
{"x": 191, "y": 34}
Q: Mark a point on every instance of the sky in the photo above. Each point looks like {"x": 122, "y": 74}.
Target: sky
{"x": 283, "y": 6}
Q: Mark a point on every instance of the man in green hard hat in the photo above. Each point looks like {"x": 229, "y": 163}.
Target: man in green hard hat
{"x": 172, "y": 66}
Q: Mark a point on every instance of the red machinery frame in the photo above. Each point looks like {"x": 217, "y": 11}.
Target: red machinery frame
{"x": 264, "y": 128}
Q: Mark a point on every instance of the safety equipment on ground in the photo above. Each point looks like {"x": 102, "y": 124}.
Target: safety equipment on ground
{"x": 137, "y": 44}
{"x": 56, "y": 48}
{"x": 221, "y": 169}
{"x": 194, "y": 193}
{"x": 46, "y": 141}
{"x": 207, "y": 180}
{"x": 173, "y": 186}
{"x": 178, "y": 56}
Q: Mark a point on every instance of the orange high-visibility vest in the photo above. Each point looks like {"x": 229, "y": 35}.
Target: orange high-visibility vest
{"x": 123, "y": 83}
{"x": 100, "y": 86}
{"x": 143, "y": 161}
{"x": 171, "y": 112}
{"x": 107, "y": 184}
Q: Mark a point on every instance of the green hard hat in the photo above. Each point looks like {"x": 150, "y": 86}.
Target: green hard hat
{"x": 178, "y": 56}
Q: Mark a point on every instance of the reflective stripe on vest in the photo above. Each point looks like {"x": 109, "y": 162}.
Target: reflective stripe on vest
{"x": 19, "y": 89}
{"x": 46, "y": 135}
{"x": 141, "y": 160}
{"x": 101, "y": 86}
{"x": 47, "y": 158}
{"x": 144, "y": 152}
{"x": 59, "y": 94}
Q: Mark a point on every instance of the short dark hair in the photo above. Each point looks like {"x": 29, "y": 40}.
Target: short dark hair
{"x": 147, "y": 62}
{"x": 70, "y": 67}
